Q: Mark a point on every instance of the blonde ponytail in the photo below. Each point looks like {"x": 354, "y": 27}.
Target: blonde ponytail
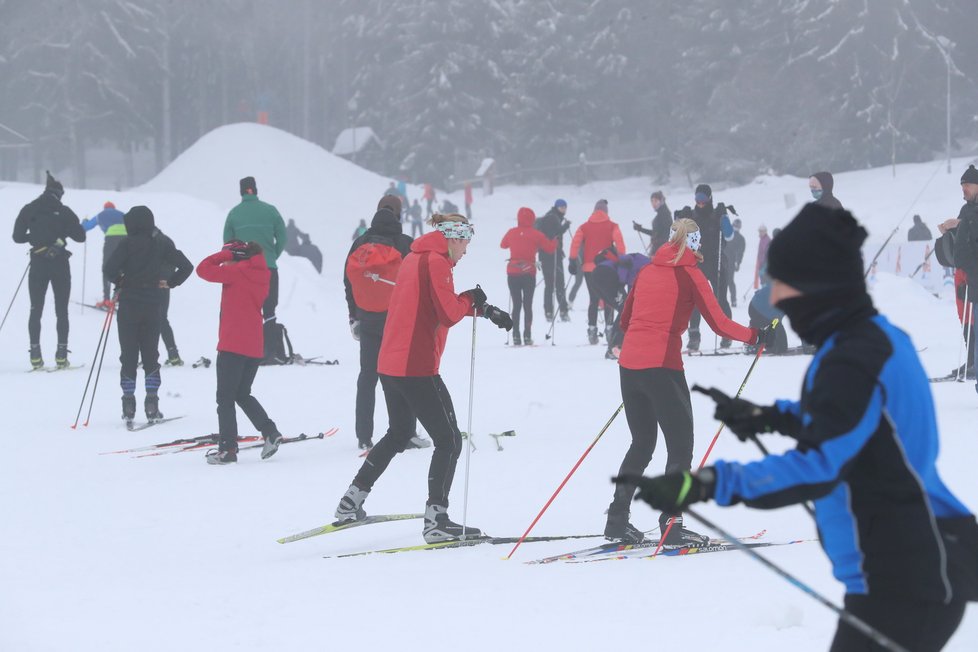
{"x": 680, "y": 229}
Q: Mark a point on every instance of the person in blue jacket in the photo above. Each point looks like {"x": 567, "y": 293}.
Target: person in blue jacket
{"x": 110, "y": 221}
{"x": 613, "y": 278}
{"x": 903, "y": 545}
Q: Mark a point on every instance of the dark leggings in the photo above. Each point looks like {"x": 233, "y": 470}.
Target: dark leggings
{"x": 139, "y": 339}
{"x": 166, "y": 331}
{"x": 594, "y": 298}
{"x": 425, "y": 398}
{"x": 521, "y": 291}
{"x": 56, "y": 273}
{"x": 653, "y": 398}
{"x": 108, "y": 247}
{"x": 917, "y": 626}
{"x": 235, "y": 375}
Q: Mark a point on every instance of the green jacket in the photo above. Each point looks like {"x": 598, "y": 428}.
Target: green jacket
{"x": 255, "y": 221}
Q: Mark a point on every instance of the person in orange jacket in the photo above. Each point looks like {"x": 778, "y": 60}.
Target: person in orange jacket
{"x": 523, "y": 242}
{"x": 594, "y": 236}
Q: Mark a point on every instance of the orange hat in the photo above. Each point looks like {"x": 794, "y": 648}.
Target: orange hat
{"x": 108, "y": 204}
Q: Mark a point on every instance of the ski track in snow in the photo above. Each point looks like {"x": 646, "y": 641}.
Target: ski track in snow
{"x": 114, "y": 553}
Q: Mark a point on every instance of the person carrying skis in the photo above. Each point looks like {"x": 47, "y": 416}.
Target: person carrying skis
{"x": 136, "y": 267}
{"x": 523, "y": 242}
{"x": 903, "y": 545}
{"x": 253, "y": 220}
{"x": 423, "y": 307}
{"x": 661, "y": 223}
{"x": 46, "y": 224}
{"x": 109, "y": 220}
{"x": 241, "y": 270}
{"x": 554, "y": 225}
{"x": 653, "y": 384}
{"x": 592, "y": 237}
{"x": 369, "y": 272}
{"x": 715, "y": 230}
{"x": 821, "y": 185}
{"x": 614, "y": 276}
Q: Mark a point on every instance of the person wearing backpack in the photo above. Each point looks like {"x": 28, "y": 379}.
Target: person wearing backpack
{"x": 369, "y": 273}
{"x": 592, "y": 237}
{"x": 523, "y": 242}
{"x": 256, "y": 221}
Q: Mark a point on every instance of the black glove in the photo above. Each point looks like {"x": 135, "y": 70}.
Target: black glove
{"x": 673, "y": 492}
{"x": 477, "y": 295}
{"x": 745, "y": 419}
{"x": 499, "y": 317}
{"x": 636, "y": 226}
{"x": 572, "y": 266}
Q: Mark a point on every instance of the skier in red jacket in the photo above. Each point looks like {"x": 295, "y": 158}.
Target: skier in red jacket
{"x": 653, "y": 385}
{"x": 594, "y": 236}
{"x": 240, "y": 267}
{"x": 523, "y": 242}
{"x": 423, "y": 307}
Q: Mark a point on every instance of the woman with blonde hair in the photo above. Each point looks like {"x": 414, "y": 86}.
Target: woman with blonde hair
{"x": 422, "y": 308}
{"x": 653, "y": 384}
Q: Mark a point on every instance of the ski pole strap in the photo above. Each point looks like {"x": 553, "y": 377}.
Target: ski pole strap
{"x": 850, "y": 619}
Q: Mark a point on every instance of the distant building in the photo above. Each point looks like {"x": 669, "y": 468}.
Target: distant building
{"x": 362, "y": 146}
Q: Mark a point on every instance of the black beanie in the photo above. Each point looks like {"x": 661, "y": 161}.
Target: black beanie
{"x": 53, "y": 185}
{"x": 819, "y": 251}
{"x": 705, "y": 189}
{"x": 970, "y": 175}
{"x": 248, "y": 186}
{"x": 601, "y": 205}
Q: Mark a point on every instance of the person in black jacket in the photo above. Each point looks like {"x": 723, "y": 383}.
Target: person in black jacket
{"x": 137, "y": 266}
{"x": 553, "y": 225}
{"x": 46, "y": 224}
{"x": 821, "y": 185}
{"x": 961, "y": 234}
{"x": 368, "y": 326}
{"x": 715, "y": 230}
{"x": 661, "y": 223}
{"x": 919, "y": 231}
{"x": 734, "y": 257}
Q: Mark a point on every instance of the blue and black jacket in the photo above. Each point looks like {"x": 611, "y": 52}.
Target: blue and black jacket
{"x": 867, "y": 453}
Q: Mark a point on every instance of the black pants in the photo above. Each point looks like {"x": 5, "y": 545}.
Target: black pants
{"x": 139, "y": 339}
{"x": 268, "y": 311}
{"x": 609, "y": 290}
{"x": 371, "y": 334}
{"x": 56, "y": 273}
{"x": 521, "y": 292}
{"x": 728, "y": 273}
{"x": 427, "y": 399}
{"x": 553, "y": 283}
{"x": 417, "y": 229}
{"x": 719, "y": 284}
{"x": 235, "y": 374}
{"x": 653, "y": 398}
{"x": 166, "y": 331}
{"x": 917, "y": 626}
{"x": 594, "y": 298}
{"x": 578, "y": 279}
{"x": 109, "y": 246}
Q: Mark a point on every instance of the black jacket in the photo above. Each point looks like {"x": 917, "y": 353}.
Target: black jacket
{"x": 142, "y": 259}
{"x": 710, "y": 219}
{"x": 966, "y": 241}
{"x": 661, "y": 225}
{"x": 553, "y": 225}
{"x": 385, "y": 228}
{"x": 45, "y": 221}
{"x": 918, "y": 233}
{"x": 828, "y": 199}
{"x": 736, "y": 248}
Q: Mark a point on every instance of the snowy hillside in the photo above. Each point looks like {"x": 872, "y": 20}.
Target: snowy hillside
{"x": 107, "y": 552}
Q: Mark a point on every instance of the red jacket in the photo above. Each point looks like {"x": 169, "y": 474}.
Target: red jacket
{"x": 598, "y": 233}
{"x": 657, "y": 310}
{"x": 245, "y": 288}
{"x": 423, "y": 307}
{"x": 523, "y": 242}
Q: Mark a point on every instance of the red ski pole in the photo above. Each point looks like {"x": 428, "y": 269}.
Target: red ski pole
{"x": 554, "y": 496}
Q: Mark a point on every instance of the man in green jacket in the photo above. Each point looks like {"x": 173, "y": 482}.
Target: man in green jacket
{"x": 256, "y": 221}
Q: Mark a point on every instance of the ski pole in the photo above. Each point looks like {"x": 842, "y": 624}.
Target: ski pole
{"x": 84, "y": 273}
{"x": 967, "y": 331}
{"x": 105, "y": 346}
{"x": 552, "y": 335}
{"x": 510, "y": 311}
{"x": 642, "y": 240}
{"x": 91, "y": 370}
{"x": 564, "y": 482}
{"x": 16, "y": 292}
{"x": 468, "y": 449}
{"x": 672, "y": 520}
{"x": 850, "y": 619}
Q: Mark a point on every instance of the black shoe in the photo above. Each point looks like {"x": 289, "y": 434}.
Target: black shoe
{"x": 438, "y": 527}
{"x": 221, "y": 456}
{"x": 37, "y": 362}
{"x": 549, "y": 315}
{"x": 516, "y": 340}
{"x": 128, "y": 407}
{"x": 272, "y": 441}
{"x": 564, "y": 316}
{"x": 365, "y": 444}
{"x": 619, "y": 529}
{"x": 527, "y": 339}
{"x": 173, "y": 359}
{"x": 678, "y": 535}
{"x": 61, "y": 357}
{"x": 152, "y": 407}
{"x": 693, "y": 343}
{"x": 725, "y": 343}
{"x": 592, "y": 334}
{"x": 350, "y": 507}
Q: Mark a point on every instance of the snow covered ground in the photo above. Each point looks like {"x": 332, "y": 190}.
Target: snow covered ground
{"x": 106, "y": 552}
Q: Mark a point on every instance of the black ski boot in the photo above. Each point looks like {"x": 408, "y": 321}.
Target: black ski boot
{"x": 438, "y": 527}
{"x": 417, "y": 442}
{"x": 272, "y": 440}
{"x": 37, "y": 362}
{"x": 527, "y": 339}
{"x": 128, "y": 408}
{"x": 365, "y": 444}
{"x": 619, "y": 529}
{"x": 152, "y": 407}
{"x": 173, "y": 358}
{"x": 564, "y": 316}
{"x": 222, "y": 455}
{"x": 516, "y": 339}
{"x": 61, "y": 357}
{"x": 693, "y": 343}
{"x": 725, "y": 343}
{"x": 678, "y": 535}
{"x": 592, "y": 334}
{"x": 351, "y": 505}
{"x": 548, "y": 315}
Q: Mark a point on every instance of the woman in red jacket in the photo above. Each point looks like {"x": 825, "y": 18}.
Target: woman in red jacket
{"x": 240, "y": 268}
{"x": 591, "y": 238}
{"x": 523, "y": 241}
{"x": 422, "y": 309}
{"x": 653, "y": 385}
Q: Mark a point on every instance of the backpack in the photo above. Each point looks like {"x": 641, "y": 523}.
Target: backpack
{"x": 371, "y": 269}
{"x": 278, "y": 346}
